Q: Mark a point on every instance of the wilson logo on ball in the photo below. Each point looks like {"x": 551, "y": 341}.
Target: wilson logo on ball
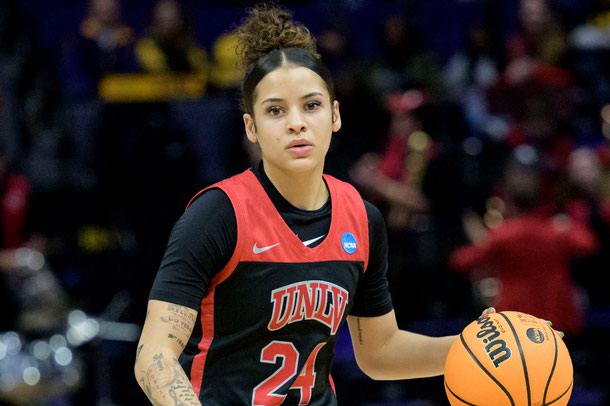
{"x": 539, "y": 372}
{"x": 496, "y": 349}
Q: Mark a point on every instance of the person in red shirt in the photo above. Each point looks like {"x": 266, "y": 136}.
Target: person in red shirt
{"x": 530, "y": 255}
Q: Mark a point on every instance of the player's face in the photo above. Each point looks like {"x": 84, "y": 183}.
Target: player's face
{"x": 293, "y": 119}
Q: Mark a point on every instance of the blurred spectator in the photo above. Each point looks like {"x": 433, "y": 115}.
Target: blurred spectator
{"x": 214, "y": 123}
{"x": 104, "y": 45}
{"x": 225, "y": 72}
{"x": 588, "y": 202}
{"x": 474, "y": 66}
{"x": 29, "y": 92}
{"x": 535, "y": 93}
{"x": 168, "y": 45}
{"x": 32, "y": 299}
{"x": 534, "y": 76}
{"x": 535, "y": 58}
{"x": 109, "y": 37}
{"x": 539, "y": 46}
{"x": 468, "y": 74}
{"x": 404, "y": 62}
{"x": 334, "y": 46}
{"x": 588, "y": 178}
{"x": 415, "y": 184}
{"x": 364, "y": 117}
{"x": 396, "y": 177}
{"x": 541, "y": 131}
{"x": 530, "y": 255}
{"x": 32, "y": 292}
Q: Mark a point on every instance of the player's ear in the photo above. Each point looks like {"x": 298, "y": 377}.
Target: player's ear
{"x": 250, "y": 128}
{"x": 336, "y": 116}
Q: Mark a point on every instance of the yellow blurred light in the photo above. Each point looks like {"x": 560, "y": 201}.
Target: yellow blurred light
{"x": 495, "y": 203}
{"x": 419, "y": 141}
{"x": 493, "y": 218}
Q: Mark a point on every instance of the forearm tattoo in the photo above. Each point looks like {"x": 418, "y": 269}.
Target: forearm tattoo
{"x": 165, "y": 383}
{"x": 177, "y": 339}
{"x": 360, "y": 340}
{"x": 179, "y": 319}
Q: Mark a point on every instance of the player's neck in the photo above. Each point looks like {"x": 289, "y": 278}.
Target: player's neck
{"x": 305, "y": 190}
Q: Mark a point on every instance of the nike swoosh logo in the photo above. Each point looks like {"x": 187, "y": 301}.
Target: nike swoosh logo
{"x": 258, "y": 250}
{"x": 309, "y": 242}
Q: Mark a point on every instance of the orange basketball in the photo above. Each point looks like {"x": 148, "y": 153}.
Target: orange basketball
{"x": 508, "y": 359}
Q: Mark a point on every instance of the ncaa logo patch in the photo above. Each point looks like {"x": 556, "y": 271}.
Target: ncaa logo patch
{"x": 348, "y": 242}
{"x": 535, "y": 335}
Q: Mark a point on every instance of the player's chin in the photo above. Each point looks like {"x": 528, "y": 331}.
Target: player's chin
{"x": 304, "y": 163}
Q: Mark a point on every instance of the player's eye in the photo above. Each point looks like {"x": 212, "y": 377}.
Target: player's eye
{"x": 312, "y": 105}
{"x": 274, "y": 110}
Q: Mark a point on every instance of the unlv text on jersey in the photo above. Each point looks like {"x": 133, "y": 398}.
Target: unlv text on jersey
{"x": 310, "y": 300}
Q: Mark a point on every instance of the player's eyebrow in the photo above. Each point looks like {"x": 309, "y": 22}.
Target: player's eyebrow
{"x": 278, "y": 100}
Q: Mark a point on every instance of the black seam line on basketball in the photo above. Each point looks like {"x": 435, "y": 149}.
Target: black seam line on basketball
{"x": 493, "y": 378}
{"x": 548, "y": 383}
{"x": 560, "y": 396}
{"x": 458, "y": 398}
{"x": 523, "y": 363}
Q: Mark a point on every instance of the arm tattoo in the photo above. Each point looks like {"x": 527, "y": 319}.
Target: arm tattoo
{"x": 177, "y": 339}
{"x": 360, "y": 340}
{"x": 180, "y": 319}
{"x": 164, "y": 382}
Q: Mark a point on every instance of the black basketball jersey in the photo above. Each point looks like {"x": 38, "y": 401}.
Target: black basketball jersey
{"x": 270, "y": 318}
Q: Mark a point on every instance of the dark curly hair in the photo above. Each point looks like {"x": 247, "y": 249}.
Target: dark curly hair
{"x": 268, "y": 38}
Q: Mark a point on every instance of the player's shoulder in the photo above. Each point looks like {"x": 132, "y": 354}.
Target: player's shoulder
{"x": 213, "y": 197}
{"x": 210, "y": 206}
{"x": 216, "y": 195}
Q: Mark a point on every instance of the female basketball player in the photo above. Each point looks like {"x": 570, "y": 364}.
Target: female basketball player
{"x": 263, "y": 268}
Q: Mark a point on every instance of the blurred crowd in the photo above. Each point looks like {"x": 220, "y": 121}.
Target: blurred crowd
{"x": 480, "y": 128}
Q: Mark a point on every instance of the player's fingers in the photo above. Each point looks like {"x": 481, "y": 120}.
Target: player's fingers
{"x": 487, "y": 311}
{"x": 559, "y": 333}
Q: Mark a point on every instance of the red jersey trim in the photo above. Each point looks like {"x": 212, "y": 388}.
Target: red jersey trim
{"x": 332, "y": 384}
{"x": 207, "y": 304}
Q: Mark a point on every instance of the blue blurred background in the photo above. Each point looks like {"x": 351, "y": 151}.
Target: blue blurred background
{"x": 463, "y": 121}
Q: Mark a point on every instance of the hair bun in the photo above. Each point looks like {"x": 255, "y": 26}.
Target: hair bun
{"x": 268, "y": 27}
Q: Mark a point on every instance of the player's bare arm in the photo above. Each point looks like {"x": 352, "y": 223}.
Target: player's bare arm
{"x": 384, "y": 352}
{"x": 166, "y": 331}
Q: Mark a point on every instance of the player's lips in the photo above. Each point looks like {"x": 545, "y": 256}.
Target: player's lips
{"x": 300, "y": 147}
